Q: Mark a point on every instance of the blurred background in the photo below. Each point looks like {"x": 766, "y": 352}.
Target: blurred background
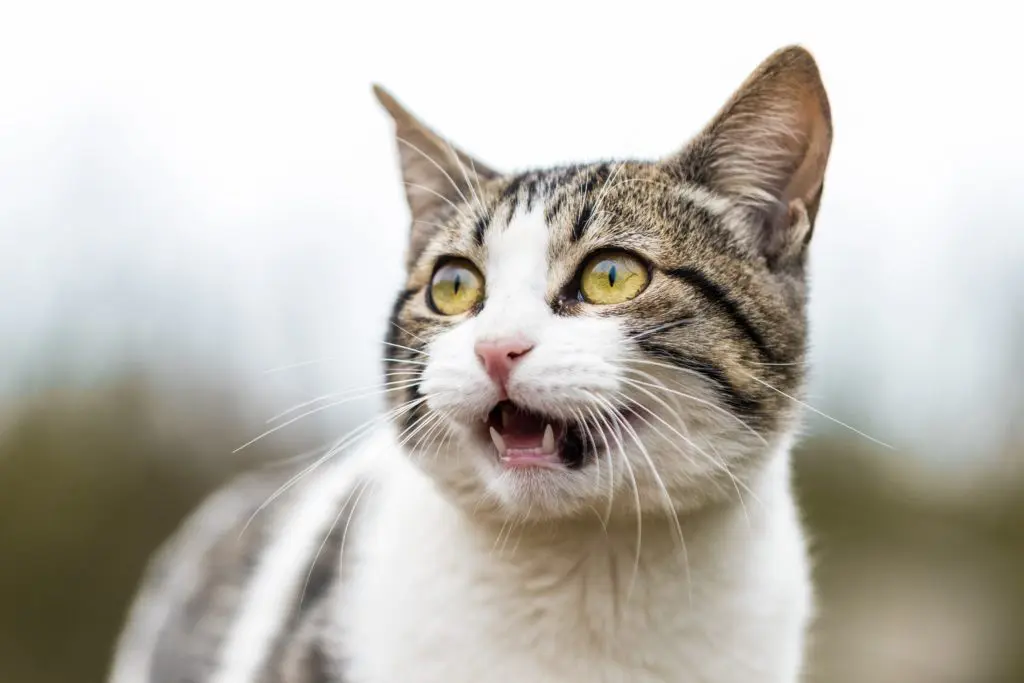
{"x": 202, "y": 225}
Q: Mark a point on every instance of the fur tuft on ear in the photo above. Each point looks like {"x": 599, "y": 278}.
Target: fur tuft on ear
{"x": 436, "y": 174}
{"x": 767, "y": 148}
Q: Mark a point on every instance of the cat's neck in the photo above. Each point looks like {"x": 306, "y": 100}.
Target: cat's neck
{"x": 678, "y": 544}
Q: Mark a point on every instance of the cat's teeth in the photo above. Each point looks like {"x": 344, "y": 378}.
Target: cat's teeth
{"x": 499, "y": 443}
{"x": 548, "y": 444}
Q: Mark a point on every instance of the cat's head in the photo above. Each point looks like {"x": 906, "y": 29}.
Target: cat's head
{"x": 608, "y": 336}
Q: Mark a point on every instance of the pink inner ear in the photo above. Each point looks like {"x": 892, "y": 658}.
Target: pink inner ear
{"x": 816, "y": 138}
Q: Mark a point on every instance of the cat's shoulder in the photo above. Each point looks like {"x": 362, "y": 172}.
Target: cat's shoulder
{"x": 263, "y": 549}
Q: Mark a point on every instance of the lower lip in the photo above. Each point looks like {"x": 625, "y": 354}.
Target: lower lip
{"x": 516, "y": 459}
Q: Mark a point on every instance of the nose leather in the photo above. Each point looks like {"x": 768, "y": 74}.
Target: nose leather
{"x": 500, "y": 356}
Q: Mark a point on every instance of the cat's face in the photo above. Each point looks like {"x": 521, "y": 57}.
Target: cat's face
{"x": 607, "y": 337}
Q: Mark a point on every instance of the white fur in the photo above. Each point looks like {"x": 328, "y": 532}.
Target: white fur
{"x": 437, "y": 597}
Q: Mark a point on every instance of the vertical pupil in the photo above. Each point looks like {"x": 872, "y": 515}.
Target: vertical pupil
{"x": 611, "y": 276}
{"x": 457, "y": 283}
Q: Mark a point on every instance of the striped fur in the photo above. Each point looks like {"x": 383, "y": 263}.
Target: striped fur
{"x": 669, "y": 551}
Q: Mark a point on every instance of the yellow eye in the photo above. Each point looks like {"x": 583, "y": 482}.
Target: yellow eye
{"x": 456, "y": 287}
{"x": 613, "y": 277}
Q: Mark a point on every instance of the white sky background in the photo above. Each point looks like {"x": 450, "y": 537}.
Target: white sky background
{"x": 219, "y": 176}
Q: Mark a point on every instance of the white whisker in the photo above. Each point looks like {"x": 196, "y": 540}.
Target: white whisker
{"x": 696, "y": 399}
{"x": 400, "y": 384}
{"x": 436, "y": 165}
{"x": 815, "y": 410}
{"x": 351, "y": 437}
{"x": 318, "y": 409}
{"x": 402, "y": 329}
{"x": 440, "y": 196}
{"x": 407, "y": 348}
{"x": 661, "y": 328}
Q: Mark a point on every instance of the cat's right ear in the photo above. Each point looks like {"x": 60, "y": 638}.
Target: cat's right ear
{"x": 435, "y": 173}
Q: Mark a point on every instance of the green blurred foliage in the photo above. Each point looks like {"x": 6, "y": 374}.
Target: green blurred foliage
{"x": 90, "y": 483}
{"x": 92, "y": 480}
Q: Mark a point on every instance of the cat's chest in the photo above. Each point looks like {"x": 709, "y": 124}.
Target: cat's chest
{"x": 561, "y": 625}
{"x": 437, "y": 606}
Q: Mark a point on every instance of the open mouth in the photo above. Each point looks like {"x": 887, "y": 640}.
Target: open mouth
{"x": 524, "y": 439}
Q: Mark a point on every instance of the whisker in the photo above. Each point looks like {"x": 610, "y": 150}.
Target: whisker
{"x": 666, "y": 497}
{"x": 418, "y": 426}
{"x": 318, "y": 409}
{"x": 477, "y": 196}
{"x": 720, "y": 464}
{"x": 440, "y": 196}
{"x": 327, "y": 536}
{"x": 602, "y": 193}
{"x": 611, "y": 468}
{"x": 436, "y": 165}
{"x": 362, "y": 486}
{"x": 616, "y": 435}
{"x": 661, "y": 328}
{"x": 402, "y": 329}
{"x": 696, "y": 399}
{"x": 815, "y": 410}
{"x": 351, "y": 437}
{"x": 439, "y": 427}
{"x": 668, "y": 366}
{"x": 407, "y": 362}
{"x": 338, "y": 394}
{"x": 407, "y": 348}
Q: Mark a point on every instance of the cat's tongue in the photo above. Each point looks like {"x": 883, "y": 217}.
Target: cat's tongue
{"x": 523, "y": 439}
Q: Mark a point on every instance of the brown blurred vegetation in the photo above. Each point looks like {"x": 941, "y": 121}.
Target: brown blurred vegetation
{"x": 921, "y": 577}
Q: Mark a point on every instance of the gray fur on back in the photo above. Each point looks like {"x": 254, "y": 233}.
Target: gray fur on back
{"x": 193, "y": 590}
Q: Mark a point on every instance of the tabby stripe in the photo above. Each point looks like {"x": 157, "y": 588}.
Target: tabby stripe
{"x": 551, "y": 212}
{"x": 719, "y": 297}
{"x": 531, "y": 192}
{"x": 733, "y": 397}
{"x": 561, "y": 190}
{"x": 511, "y": 193}
{"x": 279, "y": 578}
{"x": 298, "y": 646}
{"x": 594, "y": 181}
{"x": 481, "y": 227}
{"x": 178, "y": 564}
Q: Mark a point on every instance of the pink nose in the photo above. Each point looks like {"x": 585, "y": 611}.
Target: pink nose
{"x": 499, "y": 357}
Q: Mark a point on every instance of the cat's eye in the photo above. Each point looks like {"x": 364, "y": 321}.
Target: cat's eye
{"x": 456, "y": 287}
{"x": 612, "y": 277}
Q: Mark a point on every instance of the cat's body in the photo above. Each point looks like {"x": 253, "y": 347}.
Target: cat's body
{"x": 585, "y": 472}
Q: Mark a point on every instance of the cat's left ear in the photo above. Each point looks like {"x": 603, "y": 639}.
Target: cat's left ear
{"x": 435, "y": 173}
{"x": 767, "y": 150}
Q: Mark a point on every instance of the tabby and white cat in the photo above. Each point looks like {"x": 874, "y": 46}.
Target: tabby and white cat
{"x": 584, "y": 474}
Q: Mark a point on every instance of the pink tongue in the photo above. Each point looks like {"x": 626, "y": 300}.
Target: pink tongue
{"x": 521, "y": 430}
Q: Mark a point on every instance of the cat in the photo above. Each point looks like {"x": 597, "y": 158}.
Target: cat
{"x": 593, "y": 375}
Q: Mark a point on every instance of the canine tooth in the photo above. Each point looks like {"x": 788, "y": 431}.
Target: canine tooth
{"x": 499, "y": 443}
{"x": 548, "y": 445}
